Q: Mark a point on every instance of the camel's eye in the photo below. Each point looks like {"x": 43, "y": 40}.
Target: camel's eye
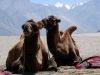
{"x": 52, "y": 20}
{"x": 58, "y": 20}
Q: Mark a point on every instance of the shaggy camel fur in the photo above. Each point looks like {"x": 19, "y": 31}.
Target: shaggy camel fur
{"x": 34, "y": 52}
{"x": 61, "y": 44}
{"x": 13, "y": 62}
{"x": 30, "y": 54}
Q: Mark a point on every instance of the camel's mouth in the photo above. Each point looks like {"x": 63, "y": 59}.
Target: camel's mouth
{"x": 44, "y": 21}
{"x": 30, "y": 32}
{"x": 40, "y": 25}
{"x": 27, "y": 32}
{"x": 26, "y": 28}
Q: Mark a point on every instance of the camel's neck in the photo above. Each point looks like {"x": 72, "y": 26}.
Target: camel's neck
{"x": 31, "y": 44}
{"x": 31, "y": 47}
{"x": 53, "y": 37}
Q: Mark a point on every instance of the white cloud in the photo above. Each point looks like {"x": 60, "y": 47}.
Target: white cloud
{"x": 59, "y": 4}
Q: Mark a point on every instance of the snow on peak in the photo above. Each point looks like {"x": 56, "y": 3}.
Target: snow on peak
{"x": 77, "y": 4}
{"x": 67, "y": 6}
{"x": 61, "y": 5}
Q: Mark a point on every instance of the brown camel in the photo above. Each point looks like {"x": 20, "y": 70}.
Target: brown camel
{"x": 29, "y": 54}
{"x": 13, "y": 62}
{"x": 35, "y": 54}
{"x": 61, "y": 44}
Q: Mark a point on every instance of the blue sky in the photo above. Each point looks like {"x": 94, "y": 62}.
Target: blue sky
{"x": 52, "y": 2}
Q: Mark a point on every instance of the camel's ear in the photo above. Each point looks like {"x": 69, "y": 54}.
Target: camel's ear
{"x": 71, "y": 29}
{"x": 58, "y": 20}
{"x": 31, "y": 20}
{"x": 40, "y": 24}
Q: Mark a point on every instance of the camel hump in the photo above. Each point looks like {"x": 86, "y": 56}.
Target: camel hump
{"x": 71, "y": 29}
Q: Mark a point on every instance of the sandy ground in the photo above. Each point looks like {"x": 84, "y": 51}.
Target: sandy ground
{"x": 88, "y": 44}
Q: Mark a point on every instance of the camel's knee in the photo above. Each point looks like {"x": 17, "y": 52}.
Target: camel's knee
{"x": 15, "y": 67}
{"x": 52, "y": 66}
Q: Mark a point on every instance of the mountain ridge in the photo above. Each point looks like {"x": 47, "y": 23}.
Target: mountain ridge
{"x": 15, "y": 13}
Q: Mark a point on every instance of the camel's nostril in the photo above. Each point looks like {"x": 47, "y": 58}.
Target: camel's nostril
{"x": 26, "y": 29}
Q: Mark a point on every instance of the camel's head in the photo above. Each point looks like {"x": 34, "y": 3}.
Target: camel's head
{"x": 50, "y": 22}
{"x": 31, "y": 27}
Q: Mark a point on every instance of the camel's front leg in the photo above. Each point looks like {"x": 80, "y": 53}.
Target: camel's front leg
{"x": 52, "y": 65}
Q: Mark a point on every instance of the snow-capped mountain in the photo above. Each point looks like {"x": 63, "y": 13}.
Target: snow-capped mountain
{"x": 13, "y": 13}
{"x": 87, "y": 16}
